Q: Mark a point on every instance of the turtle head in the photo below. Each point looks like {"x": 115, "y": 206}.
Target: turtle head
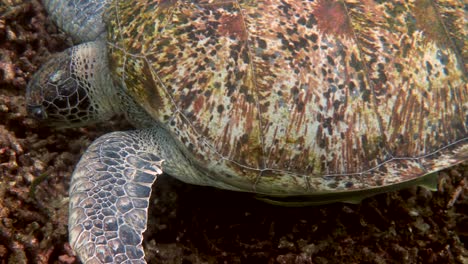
{"x": 65, "y": 91}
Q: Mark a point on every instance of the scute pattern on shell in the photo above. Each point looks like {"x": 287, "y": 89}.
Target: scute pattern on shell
{"x": 297, "y": 96}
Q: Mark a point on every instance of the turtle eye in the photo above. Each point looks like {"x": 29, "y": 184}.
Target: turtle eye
{"x": 37, "y": 112}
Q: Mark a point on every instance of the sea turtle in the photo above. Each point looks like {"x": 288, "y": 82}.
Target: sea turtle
{"x": 322, "y": 100}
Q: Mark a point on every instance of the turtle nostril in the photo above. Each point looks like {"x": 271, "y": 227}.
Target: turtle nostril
{"x": 36, "y": 111}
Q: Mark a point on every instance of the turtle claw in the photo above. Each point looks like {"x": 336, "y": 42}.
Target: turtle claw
{"x": 109, "y": 198}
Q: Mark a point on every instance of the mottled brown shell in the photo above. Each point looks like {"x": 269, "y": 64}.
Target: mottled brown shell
{"x": 297, "y": 97}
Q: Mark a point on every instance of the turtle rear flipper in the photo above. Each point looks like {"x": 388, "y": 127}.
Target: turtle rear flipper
{"x": 109, "y": 198}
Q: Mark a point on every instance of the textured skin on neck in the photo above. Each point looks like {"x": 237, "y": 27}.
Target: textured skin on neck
{"x": 89, "y": 66}
{"x": 81, "y": 19}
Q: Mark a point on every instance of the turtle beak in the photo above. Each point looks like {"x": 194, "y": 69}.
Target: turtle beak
{"x": 34, "y": 99}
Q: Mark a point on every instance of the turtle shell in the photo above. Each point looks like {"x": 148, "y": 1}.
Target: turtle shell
{"x": 300, "y": 97}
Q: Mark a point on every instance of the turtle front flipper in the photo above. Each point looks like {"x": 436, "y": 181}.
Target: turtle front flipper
{"x": 82, "y": 20}
{"x": 109, "y": 198}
